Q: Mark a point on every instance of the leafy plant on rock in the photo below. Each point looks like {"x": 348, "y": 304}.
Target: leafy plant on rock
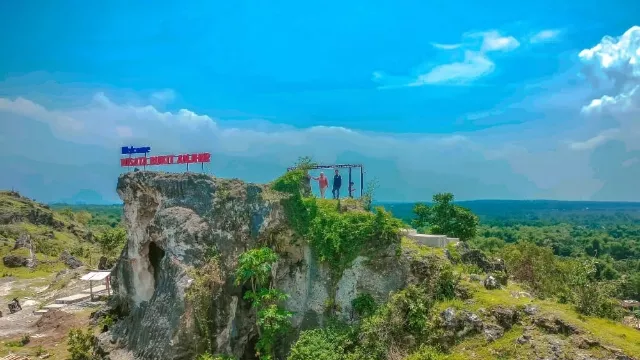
{"x": 254, "y": 267}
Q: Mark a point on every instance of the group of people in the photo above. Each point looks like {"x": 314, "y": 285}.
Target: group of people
{"x": 323, "y": 184}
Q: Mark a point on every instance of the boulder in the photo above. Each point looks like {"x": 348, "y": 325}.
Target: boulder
{"x": 525, "y": 338}
{"x": 14, "y": 261}
{"x": 530, "y": 309}
{"x": 490, "y": 283}
{"x": 505, "y": 317}
{"x": 105, "y": 264}
{"x": 478, "y": 258}
{"x": 448, "y": 318}
{"x": 555, "y": 325}
{"x": 492, "y": 332}
{"x": 71, "y": 261}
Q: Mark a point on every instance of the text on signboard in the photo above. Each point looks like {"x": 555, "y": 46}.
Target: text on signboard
{"x": 167, "y": 160}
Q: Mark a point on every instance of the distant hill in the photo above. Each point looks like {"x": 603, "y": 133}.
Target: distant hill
{"x": 537, "y": 211}
{"x": 85, "y": 197}
{"x": 51, "y": 232}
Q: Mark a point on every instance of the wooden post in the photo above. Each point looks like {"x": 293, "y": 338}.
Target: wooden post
{"x": 349, "y": 187}
{"x": 108, "y": 284}
{"x": 91, "y": 289}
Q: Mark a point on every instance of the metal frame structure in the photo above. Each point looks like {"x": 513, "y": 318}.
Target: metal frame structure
{"x": 340, "y": 166}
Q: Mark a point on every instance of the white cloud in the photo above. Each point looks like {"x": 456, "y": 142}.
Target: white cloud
{"x": 164, "y": 96}
{"x": 418, "y": 164}
{"x": 446, "y": 46}
{"x": 475, "y": 64}
{"x": 494, "y": 41}
{"x": 545, "y": 36}
{"x": 614, "y": 66}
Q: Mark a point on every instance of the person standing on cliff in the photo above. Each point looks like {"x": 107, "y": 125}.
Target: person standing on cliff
{"x": 323, "y": 183}
{"x": 337, "y": 182}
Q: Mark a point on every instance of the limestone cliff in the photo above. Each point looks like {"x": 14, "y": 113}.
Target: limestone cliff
{"x": 173, "y": 221}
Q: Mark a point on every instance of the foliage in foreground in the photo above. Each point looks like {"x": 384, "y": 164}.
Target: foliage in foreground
{"x": 254, "y": 267}
{"x": 81, "y": 345}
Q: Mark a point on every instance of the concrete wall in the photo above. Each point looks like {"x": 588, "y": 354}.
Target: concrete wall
{"x": 440, "y": 241}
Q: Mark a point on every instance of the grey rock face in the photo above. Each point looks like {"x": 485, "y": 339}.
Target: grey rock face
{"x": 24, "y": 241}
{"x": 173, "y": 221}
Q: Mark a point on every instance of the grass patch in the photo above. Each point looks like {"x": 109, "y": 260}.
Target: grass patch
{"x": 607, "y": 331}
{"x": 420, "y": 250}
{"x": 503, "y": 348}
{"x": 40, "y": 271}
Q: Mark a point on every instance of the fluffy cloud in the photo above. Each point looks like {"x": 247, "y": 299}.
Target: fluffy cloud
{"x": 476, "y": 63}
{"x": 613, "y": 65}
{"x": 412, "y": 166}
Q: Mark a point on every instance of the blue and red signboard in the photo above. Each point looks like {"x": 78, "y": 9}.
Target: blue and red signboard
{"x": 195, "y": 158}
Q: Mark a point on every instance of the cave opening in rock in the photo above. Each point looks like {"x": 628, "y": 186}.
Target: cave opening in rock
{"x": 156, "y": 254}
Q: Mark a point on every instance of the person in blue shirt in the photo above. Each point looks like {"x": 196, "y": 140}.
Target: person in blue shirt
{"x": 337, "y": 182}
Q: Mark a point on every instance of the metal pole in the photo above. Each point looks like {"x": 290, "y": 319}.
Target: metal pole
{"x": 361, "y": 180}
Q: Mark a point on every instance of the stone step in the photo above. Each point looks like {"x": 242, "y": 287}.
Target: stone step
{"x": 41, "y": 311}
{"x": 96, "y": 289}
{"x": 54, "y": 306}
{"x": 73, "y": 299}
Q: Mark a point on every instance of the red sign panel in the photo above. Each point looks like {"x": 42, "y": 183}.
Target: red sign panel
{"x": 166, "y": 160}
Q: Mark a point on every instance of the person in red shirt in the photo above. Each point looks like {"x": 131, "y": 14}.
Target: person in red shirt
{"x": 323, "y": 183}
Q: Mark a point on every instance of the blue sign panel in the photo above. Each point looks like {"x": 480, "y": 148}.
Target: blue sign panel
{"x": 126, "y": 150}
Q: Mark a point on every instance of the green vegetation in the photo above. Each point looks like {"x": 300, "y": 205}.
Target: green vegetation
{"x": 207, "y": 280}
{"x": 338, "y": 231}
{"x": 99, "y": 217}
{"x": 575, "y": 273}
{"x": 86, "y": 232}
{"x": 112, "y": 241}
{"x": 80, "y": 345}
{"x": 445, "y": 218}
{"x": 254, "y": 267}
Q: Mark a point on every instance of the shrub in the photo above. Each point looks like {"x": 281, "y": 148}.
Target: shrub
{"x": 364, "y": 305}
{"x": 81, "y": 345}
{"x": 426, "y": 353}
{"x": 331, "y": 343}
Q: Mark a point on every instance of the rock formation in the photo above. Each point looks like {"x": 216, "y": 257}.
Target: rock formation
{"x": 173, "y": 221}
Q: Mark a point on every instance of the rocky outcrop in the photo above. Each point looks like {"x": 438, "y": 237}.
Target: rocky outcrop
{"x": 14, "y": 261}
{"x": 23, "y": 241}
{"x": 71, "y": 261}
{"x": 174, "y": 221}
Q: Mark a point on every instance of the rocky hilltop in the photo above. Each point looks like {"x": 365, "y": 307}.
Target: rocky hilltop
{"x": 357, "y": 289}
{"x": 174, "y": 220}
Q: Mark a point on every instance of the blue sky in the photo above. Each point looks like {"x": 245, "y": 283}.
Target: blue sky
{"x": 493, "y": 99}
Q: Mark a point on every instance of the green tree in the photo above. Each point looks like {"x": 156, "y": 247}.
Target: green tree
{"x": 444, "y": 217}
{"x": 83, "y": 217}
{"x": 112, "y": 240}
